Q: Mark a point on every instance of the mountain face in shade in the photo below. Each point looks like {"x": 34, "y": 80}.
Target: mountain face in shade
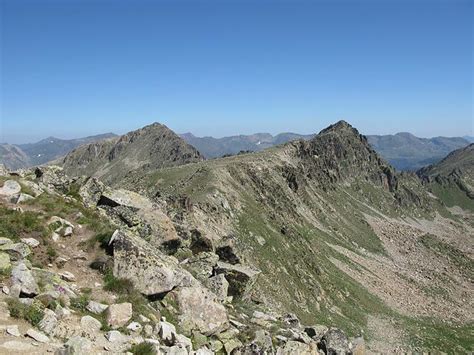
{"x": 144, "y": 150}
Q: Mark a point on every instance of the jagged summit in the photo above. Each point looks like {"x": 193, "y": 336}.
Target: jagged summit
{"x": 338, "y": 127}
{"x": 146, "y": 149}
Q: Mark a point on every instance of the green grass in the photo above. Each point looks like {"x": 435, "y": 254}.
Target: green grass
{"x": 451, "y": 196}
{"x": 32, "y": 313}
{"x": 14, "y": 224}
{"x": 143, "y": 349}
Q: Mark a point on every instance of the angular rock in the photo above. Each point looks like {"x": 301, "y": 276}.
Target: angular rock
{"x": 134, "y": 326}
{"x": 117, "y": 315}
{"x": 23, "y": 277}
{"x": 219, "y": 285}
{"x": 294, "y": 347}
{"x": 335, "y": 342}
{"x": 151, "y": 272}
{"x": 96, "y": 307}
{"x": 240, "y": 278}
{"x": 68, "y": 276}
{"x": 13, "y": 330}
{"x": 36, "y": 335}
{"x": 90, "y": 325}
{"x": 49, "y": 322}
{"x": 114, "y": 336}
{"x": 32, "y": 242}
{"x": 199, "y": 310}
{"x": 23, "y": 198}
{"x": 17, "y": 251}
{"x": 67, "y": 231}
{"x": 10, "y": 188}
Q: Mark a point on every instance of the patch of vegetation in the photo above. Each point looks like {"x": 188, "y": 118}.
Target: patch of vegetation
{"x": 14, "y": 224}
{"x": 452, "y": 195}
{"x": 80, "y": 303}
{"x": 32, "y": 313}
{"x": 73, "y": 191}
{"x": 143, "y": 349}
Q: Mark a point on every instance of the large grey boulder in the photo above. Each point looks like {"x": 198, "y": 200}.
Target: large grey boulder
{"x": 10, "y": 188}
{"x": 5, "y": 264}
{"x": 151, "y": 271}
{"x": 17, "y": 251}
{"x": 199, "y": 310}
{"x": 23, "y": 277}
{"x": 76, "y": 345}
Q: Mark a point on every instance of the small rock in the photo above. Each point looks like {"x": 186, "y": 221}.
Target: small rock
{"x": 143, "y": 319}
{"x": 67, "y": 276}
{"x": 36, "y": 335}
{"x": 49, "y": 322}
{"x": 6, "y": 289}
{"x": 134, "y": 326}
{"x": 23, "y": 277}
{"x": 32, "y": 242}
{"x": 114, "y": 336}
{"x": 60, "y": 261}
{"x": 67, "y": 231}
{"x": 13, "y": 330}
{"x": 96, "y": 307}
{"x": 23, "y": 198}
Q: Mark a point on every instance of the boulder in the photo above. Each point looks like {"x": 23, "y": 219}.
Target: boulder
{"x": 49, "y": 322}
{"x": 10, "y": 188}
{"x": 219, "y": 285}
{"x": 90, "y": 325}
{"x": 96, "y": 307}
{"x": 91, "y": 191}
{"x": 199, "y": 310}
{"x": 152, "y": 273}
{"x": 240, "y": 278}
{"x": 17, "y": 251}
{"x": 23, "y": 277}
{"x": 295, "y": 347}
{"x": 114, "y": 336}
{"x": 117, "y": 315}
{"x": 36, "y": 335}
{"x": 67, "y": 276}
{"x": 335, "y": 342}
{"x": 13, "y": 330}
{"x": 32, "y": 242}
{"x": 200, "y": 243}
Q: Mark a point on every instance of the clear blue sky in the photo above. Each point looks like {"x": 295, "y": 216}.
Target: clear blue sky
{"x": 72, "y": 68}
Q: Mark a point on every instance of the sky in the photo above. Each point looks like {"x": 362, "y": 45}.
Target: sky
{"x": 72, "y": 68}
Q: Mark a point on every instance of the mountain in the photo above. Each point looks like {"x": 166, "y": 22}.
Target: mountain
{"x": 144, "y": 150}
{"x": 469, "y": 138}
{"x": 408, "y": 152}
{"x": 13, "y": 157}
{"x": 44, "y": 151}
{"x": 327, "y": 230}
{"x": 217, "y": 147}
{"x": 452, "y": 179}
{"x": 404, "y": 151}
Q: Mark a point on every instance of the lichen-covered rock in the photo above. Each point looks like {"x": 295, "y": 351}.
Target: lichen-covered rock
{"x": 76, "y": 345}
{"x": 151, "y": 272}
{"x": 295, "y": 347}
{"x": 23, "y": 277}
{"x": 5, "y": 264}
{"x": 335, "y": 342}
{"x": 219, "y": 285}
{"x": 199, "y": 310}
{"x": 96, "y": 307}
{"x": 17, "y": 251}
{"x": 240, "y": 278}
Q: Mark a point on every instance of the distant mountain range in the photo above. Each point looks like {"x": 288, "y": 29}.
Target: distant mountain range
{"x": 403, "y": 150}
{"x": 32, "y": 154}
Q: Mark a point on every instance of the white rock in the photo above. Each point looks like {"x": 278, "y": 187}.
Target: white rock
{"x": 13, "y": 330}
{"x": 119, "y": 314}
{"x": 134, "y": 326}
{"x": 36, "y": 335}
{"x": 143, "y": 319}
{"x": 6, "y": 289}
{"x": 55, "y": 237}
{"x": 23, "y": 198}
{"x": 167, "y": 332}
{"x": 67, "y": 231}
{"x": 32, "y": 242}
{"x": 114, "y": 336}
{"x": 90, "y": 325}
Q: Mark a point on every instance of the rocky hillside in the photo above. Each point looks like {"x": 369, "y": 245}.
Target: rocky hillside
{"x": 144, "y": 150}
{"x": 327, "y": 230}
{"x": 44, "y": 151}
{"x": 452, "y": 179}
{"x": 80, "y": 274}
